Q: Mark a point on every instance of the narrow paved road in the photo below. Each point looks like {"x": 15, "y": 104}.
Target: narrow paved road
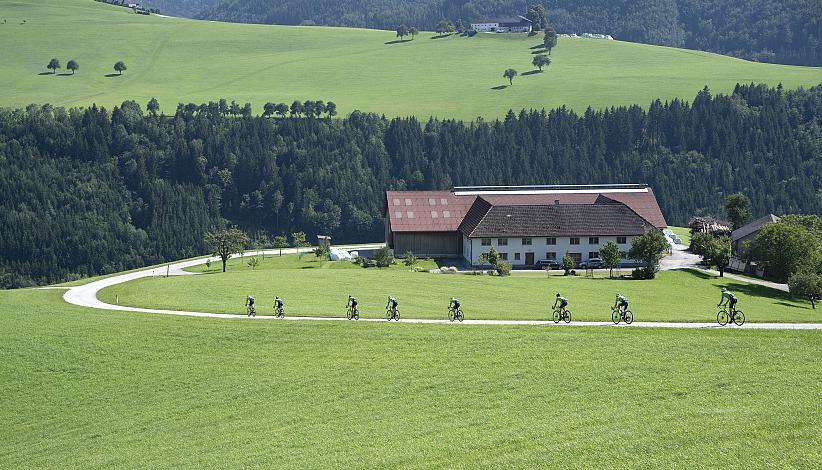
{"x": 86, "y": 296}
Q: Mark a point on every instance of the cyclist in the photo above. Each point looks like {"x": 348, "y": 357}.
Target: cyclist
{"x": 728, "y": 299}
{"x": 278, "y": 304}
{"x": 621, "y": 302}
{"x": 561, "y": 301}
{"x": 455, "y": 304}
{"x": 249, "y": 303}
{"x": 352, "y": 303}
{"x": 392, "y": 304}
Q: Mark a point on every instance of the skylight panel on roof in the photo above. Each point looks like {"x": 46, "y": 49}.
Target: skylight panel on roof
{"x": 407, "y": 201}
{"x": 410, "y": 214}
{"x": 444, "y": 201}
{"x": 446, "y": 214}
{"x": 434, "y": 214}
{"x": 396, "y": 202}
{"x": 398, "y": 214}
{"x": 432, "y": 201}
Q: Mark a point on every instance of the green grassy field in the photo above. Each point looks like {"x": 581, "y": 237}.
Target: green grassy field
{"x": 178, "y": 60}
{"x": 88, "y": 389}
{"x": 314, "y": 288}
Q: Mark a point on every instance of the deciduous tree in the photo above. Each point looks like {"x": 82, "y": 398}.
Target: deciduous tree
{"x": 738, "y": 207}
{"x": 510, "y": 74}
{"x": 225, "y": 243}
{"x": 611, "y": 256}
{"x": 541, "y": 60}
{"x": 73, "y": 66}
{"x": 120, "y": 67}
{"x": 648, "y": 249}
{"x": 53, "y": 65}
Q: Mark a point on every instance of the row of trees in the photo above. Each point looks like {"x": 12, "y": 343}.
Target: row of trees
{"x": 73, "y": 65}
{"x": 307, "y": 108}
{"x": 227, "y": 242}
{"x": 549, "y": 42}
{"x": 764, "y": 30}
{"x": 131, "y": 186}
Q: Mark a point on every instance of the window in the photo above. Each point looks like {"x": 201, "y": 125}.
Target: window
{"x": 593, "y": 254}
{"x": 551, "y": 241}
{"x": 593, "y": 240}
{"x": 516, "y": 256}
{"x": 503, "y": 256}
{"x": 527, "y": 241}
{"x": 551, "y": 255}
{"x": 502, "y": 241}
{"x": 486, "y": 242}
{"x": 577, "y": 257}
{"x": 575, "y": 240}
{"x": 622, "y": 240}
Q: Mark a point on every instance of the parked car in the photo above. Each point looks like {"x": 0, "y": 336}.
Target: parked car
{"x": 593, "y": 263}
{"x": 547, "y": 264}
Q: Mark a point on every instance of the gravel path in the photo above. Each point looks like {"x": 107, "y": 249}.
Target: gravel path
{"x": 86, "y": 296}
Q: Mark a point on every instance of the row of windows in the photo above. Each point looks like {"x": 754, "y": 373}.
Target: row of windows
{"x": 552, "y": 241}
{"x": 552, "y": 255}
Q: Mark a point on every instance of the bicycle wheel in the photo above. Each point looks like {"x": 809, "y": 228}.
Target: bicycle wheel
{"x": 567, "y": 316}
{"x": 460, "y": 316}
{"x": 388, "y": 314}
{"x": 615, "y": 317}
{"x": 629, "y": 317}
{"x": 349, "y": 314}
{"x": 722, "y": 317}
{"x": 397, "y": 315}
{"x": 556, "y": 316}
{"x": 739, "y": 318}
{"x": 451, "y": 315}
{"x": 356, "y": 314}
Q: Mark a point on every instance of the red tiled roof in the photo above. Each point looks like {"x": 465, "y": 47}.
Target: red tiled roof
{"x": 426, "y": 211}
{"x": 444, "y": 211}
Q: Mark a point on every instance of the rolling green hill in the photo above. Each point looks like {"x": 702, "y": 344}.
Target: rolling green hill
{"x": 178, "y": 60}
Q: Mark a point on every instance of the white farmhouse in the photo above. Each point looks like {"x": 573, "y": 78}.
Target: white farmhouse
{"x": 515, "y": 24}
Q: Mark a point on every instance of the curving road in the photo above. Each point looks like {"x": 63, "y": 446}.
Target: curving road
{"x": 86, "y": 296}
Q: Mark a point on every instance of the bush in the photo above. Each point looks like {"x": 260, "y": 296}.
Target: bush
{"x": 410, "y": 259}
{"x": 367, "y": 263}
{"x": 383, "y": 257}
{"x": 504, "y": 268}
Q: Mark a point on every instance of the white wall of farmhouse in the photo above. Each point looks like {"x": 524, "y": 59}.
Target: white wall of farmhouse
{"x": 541, "y": 249}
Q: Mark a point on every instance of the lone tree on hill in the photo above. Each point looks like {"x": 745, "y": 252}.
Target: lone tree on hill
{"x": 225, "y": 243}
{"x": 120, "y": 67}
{"x": 413, "y": 32}
{"x": 53, "y": 65}
{"x": 402, "y": 31}
{"x": 153, "y": 106}
{"x": 738, "y": 207}
{"x": 510, "y": 74}
{"x": 73, "y": 66}
{"x": 541, "y": 60}
{"x": 550, "y": 40}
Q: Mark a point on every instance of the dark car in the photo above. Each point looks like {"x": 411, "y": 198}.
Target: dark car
{"x": 593, "y": 263}
{"x": 547, "y": 264}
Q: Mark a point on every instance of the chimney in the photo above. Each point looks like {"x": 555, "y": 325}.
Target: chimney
{"x": 556, "y": 202}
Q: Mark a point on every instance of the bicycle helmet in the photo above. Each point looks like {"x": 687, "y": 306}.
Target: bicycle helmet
{"x": 724, "y": 290}
{"x": 558, "y": 295}
{"x": 618, "y": 296}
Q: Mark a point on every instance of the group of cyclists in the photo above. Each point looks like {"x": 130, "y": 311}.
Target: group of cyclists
{"x": 619, "y": 312}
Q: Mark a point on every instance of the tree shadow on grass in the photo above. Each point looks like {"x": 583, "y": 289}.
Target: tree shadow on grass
{"x": 532, "y": 72}
{"x": 45, "y": 73}
{"x": 500, "y": 87}
{"x": 540, "y": 52}
{"x": 110, "y": 75}
{"x": 397, "y": 41}
{"x": 538, "y": 46}
{"x": 442, "y": 36}
{"x": 65, "y": 74}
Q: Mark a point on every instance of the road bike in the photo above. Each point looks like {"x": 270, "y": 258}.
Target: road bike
{"x": 279, "y": 312}
{"x": 392, "y": 313}
{"x": 251, "y": 311}
{"x": 562, "y": 314}
{"x": 353, "y": 313}
{"x": 455, "y": 314}
{"x": 736, "y": 316}
{"x": 617, "y": 315}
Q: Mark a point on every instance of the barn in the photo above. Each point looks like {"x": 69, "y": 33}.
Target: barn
{"x": 524, "y": 223}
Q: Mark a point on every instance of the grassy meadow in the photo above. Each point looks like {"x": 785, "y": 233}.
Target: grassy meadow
{"x": 88, "y": 389}
{"x": 180, "y": 60}
{"x": 321, "y": 288}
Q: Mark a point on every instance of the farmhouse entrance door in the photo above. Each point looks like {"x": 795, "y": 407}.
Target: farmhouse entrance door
{"x": 529, "y": 259}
